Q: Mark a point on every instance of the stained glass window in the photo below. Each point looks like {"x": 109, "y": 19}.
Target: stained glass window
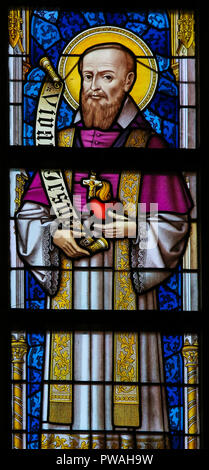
{"x": 104, "y": 356}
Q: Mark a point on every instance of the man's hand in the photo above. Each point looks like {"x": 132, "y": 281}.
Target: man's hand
{"x": 121, "y": 227}
{"x": 65, "y": 240}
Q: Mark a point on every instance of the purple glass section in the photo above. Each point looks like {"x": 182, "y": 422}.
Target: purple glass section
{"x": 169, "y": 191}
{"x": 98, "y": 139}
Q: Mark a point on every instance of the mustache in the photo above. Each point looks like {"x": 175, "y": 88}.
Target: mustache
{"x": 90, "y": 94}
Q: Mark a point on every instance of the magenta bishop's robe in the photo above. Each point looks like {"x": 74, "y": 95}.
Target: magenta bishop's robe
{"x": 169, "y": 191}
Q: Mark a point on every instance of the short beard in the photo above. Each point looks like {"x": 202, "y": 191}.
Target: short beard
{"x": 100, "y": 115}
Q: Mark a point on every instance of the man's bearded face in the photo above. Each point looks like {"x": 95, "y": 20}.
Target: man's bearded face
{"x": 104, "y": 74}
{"x": 100, "y": 114}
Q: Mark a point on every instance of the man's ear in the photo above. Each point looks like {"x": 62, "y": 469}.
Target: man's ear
{"x": 129, "y": 81}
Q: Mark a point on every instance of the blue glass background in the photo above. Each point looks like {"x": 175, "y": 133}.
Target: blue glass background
{"x": 173, "y": 369}
{"x": 35, "y": 361}
{"x": 35, "y": 297}
{"x": 169, "y": 293}
{"x": 52, "y": 30}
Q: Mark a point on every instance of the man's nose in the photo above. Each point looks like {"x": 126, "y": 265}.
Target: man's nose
{"x": 95, "y": 83}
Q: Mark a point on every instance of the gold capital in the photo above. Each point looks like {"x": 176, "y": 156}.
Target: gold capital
{"x": 186, "y": 29}
{"x": 190, "y": 353}
{"x": 19, "y": 349}
{"x": 14, "y": 27}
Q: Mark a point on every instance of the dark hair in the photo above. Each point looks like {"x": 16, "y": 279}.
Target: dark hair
{"x": 130, "y": 57}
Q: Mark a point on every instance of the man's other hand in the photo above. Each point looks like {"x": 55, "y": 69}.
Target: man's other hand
{"x": 121, "y": 227}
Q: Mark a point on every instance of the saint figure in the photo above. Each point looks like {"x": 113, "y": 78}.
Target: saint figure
{"x": 124, "y": 276}
{"x": 108, "y": 117}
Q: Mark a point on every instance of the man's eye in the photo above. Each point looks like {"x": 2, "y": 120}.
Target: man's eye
{"x": 87, "y": 77}
{"x": 108, "y": 78}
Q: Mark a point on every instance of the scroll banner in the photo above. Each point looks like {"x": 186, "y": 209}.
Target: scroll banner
{"x": 54, "y": 180}
{"x": 47, "y": 106}
{"x": 60, "y": 200}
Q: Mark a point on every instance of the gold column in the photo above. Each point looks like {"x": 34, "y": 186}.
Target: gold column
{"x": 174, "y": 15}
{"x": 26, "y": 37}
{"x": 18, "y": 349}
{"x": 190, "y": 354}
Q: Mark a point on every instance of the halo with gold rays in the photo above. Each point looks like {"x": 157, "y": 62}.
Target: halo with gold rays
{"x": 147, "y": 71}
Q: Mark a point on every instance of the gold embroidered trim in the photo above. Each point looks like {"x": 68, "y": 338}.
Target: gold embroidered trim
{"x": 126, "y": 370}
{"x": 152, "y": 442}
{"x": 138, "y": 138}
{"x": 124, "y": 294}
{"x": 66, "y": 137}
{"x": 60, "y": 396}
{"x": 21, "y": 179}
{"x": 76, "y": 441}
{"x": 68, "y": 441}
{"x": 63, "y": 298}
{"x": 126, "y": 398}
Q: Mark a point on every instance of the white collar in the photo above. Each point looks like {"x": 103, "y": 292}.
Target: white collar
{"x": 127, "y": 114}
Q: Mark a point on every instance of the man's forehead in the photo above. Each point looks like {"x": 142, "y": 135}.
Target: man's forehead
{"x": 107, "y": 57}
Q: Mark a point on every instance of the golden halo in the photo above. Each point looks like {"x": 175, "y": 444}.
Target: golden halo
{"x": 147, "y": 76}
